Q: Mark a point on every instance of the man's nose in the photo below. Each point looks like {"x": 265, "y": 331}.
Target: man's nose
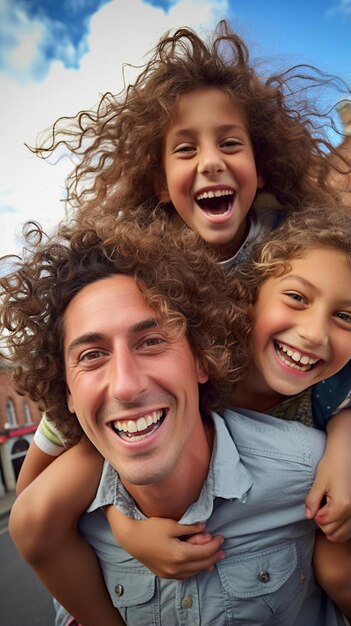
{"x": 126, "y": 377}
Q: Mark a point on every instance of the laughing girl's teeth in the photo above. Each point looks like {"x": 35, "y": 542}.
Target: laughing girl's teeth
{"x": 214, "y": 194}
{"x": 139, "y": 425}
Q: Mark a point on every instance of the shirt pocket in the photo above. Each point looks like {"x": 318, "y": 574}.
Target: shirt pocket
{"x": 258, "y": 585}
{"x": 132, "y": 590}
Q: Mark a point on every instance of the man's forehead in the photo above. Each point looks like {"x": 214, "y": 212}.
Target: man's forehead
{"x": 108, "y": 302}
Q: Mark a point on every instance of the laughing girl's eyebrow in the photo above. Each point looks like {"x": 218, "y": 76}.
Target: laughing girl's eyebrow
{"x": 178, "y": 133}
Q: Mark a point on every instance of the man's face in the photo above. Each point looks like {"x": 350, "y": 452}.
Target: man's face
{"x": 133, "y": 388}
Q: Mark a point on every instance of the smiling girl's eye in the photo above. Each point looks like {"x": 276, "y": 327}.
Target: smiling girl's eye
{"x": 295, "y": 296}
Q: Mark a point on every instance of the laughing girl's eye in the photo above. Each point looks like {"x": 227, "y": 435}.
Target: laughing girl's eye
{"x": 344, "y": 316}
{"x": 185, "y": 149}
{"x": 231, "y": 143}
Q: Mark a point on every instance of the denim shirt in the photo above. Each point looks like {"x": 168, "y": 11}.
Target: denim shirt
{"x": 260, "y": 471}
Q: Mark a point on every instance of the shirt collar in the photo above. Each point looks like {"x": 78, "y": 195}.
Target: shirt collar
{"x": 227, "y": 477}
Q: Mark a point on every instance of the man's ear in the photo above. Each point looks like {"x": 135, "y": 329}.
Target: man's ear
{"x": 202, "y": 377}
{"x": 260, "y": 181}
{"x": 69, "y": 401}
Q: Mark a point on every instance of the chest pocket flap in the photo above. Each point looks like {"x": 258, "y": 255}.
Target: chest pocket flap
{"x": 129, "y": 586}
{"x": 259, "y": 573}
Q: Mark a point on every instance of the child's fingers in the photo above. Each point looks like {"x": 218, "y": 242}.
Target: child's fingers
{"x": 336, "y": 531}
{"x": 313, "y": 500}
{"x": 182, "y": 530}
{"x": 200, "y": 558}
{"x": 199, "y": 539}
{"x": 200, "y": 551}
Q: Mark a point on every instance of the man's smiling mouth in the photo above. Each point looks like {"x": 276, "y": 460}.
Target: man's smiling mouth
{"x": 293, "y": 358}
{"x": 216, "y": 202}
{"x": 141, "y": 428}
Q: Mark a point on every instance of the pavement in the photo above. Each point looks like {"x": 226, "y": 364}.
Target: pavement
{"x": 6, "y": 503}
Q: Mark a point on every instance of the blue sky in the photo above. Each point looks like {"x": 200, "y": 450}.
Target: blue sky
{"x": 58, "y": 56}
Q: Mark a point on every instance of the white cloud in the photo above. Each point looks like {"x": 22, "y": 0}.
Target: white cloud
{"x": 21, "y": 39}
{"x": 120, "y": 32}
{"x": 343, "y": 8}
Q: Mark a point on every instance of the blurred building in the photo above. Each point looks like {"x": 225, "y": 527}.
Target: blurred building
{"x": 19, "y": 418}
{"x": 342, "y": 182}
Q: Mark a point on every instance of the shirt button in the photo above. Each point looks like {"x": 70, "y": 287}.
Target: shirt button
{"x": 186, "y": 602}
{"x": 264, "y": 577}
{"x": 119, "y": 590}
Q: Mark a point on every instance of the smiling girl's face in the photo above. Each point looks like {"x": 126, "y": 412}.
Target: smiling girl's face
{"x": 302, "y": 324}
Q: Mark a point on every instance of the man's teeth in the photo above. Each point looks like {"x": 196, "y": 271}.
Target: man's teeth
{"x": 300, "y": 361}
{"x": 139, "y": 425}
{"x": 218, "y": 193}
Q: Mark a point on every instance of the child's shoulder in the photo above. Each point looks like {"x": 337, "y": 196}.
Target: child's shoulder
{"x": 331, "y": 396}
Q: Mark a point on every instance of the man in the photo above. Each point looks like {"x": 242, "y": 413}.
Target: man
{"x": 143, "y": 340}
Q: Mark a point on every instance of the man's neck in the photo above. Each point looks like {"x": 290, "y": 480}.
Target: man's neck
{"x": 173, "y": 496}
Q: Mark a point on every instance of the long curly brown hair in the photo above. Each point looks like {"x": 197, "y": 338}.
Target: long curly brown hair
{"x": 180, "y": 280}
{"x": 117, "y": 148}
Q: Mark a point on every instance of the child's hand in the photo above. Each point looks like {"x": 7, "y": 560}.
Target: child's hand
{"x": 329, "y": 500}
{"x": 161, "y": 546}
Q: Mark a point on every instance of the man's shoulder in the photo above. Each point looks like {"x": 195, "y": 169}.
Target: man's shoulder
{"x": 260, "y": 433}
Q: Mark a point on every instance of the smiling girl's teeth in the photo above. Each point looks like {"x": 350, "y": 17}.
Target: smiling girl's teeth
{"x": 301, "y": 361}
{"x": 139, "y": 425}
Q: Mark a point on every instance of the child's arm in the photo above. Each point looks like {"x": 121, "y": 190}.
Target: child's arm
{"x": 333, "y": 482}
{"x": 158, "y": 544}
{"x": 332, "y": 566}
{"x": 43, "y": 524}
{"x": 34, "y": 463}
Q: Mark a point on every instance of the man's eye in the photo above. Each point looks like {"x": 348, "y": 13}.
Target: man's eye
{"x": 91, "y": 355}
{"x": 151, "y": 342}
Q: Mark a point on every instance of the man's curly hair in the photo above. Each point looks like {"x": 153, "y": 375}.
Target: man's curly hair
{"x": 179, "y": 279}
{"x": 117, "y": 147}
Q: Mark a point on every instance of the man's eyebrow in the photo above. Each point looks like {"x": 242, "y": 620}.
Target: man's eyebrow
{"x": 143, "y": 325}
{"x": 84, "y": 339}
{"x": 87, "y": 338}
